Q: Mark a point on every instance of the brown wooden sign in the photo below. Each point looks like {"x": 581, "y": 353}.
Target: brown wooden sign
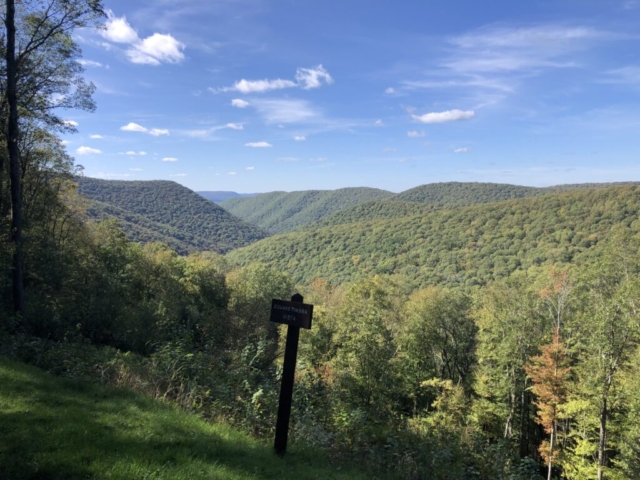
{"x": 291, "y": 313}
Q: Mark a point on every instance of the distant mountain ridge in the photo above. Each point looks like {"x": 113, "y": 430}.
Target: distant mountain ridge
{"x": 222, "y": 195}
{"x": 469, "y": 245}
{"x": 278, "y": 212}
{"x": 166, "y": 211}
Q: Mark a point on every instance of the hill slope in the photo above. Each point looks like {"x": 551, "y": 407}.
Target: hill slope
{"x": 465, "y": 245}
{"x": 453, "y": 194}
{"x": 166, "y": 211}
{"x": 279, "y": 212}
{"x": 54, "y": 428}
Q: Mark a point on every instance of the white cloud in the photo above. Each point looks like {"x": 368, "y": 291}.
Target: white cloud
{"x": 442, "y": 117}
{"x": 299, "y": 138}
{"x": 152, "y": 50}
{"x": 169, "y": 159}
{"x": 142, "y": 153}
{"x": 118, "y": 30}
{"x": 133, "y": 127}
{"x": 87, "y": 151}
{"x": 234, "y": 126}
{"x": 285, "y": 110}
{"x": 70, "y": 123}
{"x": 89, "y": 63}
{"x": 239, "y": 103}
{"x": 319, "y": 159}
{"x": 390, "y": 91}
{"x": 415, "y": 134}
{"x": 156, "y": 49}
{"x": 65, "y": 142}
{"x": 462, "y": 150}
{"x": 258, "y": 144}
{"x": 259, "y": 86}
{"x": 233, "y": 173}
{"x": 287, "y": 159}
{"x": 379, "y": 123}
{"x": 135, "y": 169}
{"x": 249, "y": 168}
{"x": 309, "y": 78}
{"x": 156, "y": 132}
{"x": 96, "y": 137}
{"x": 130, "y": 152}
{"x": 179, "y": 175}
{"x": 305, "y": 78}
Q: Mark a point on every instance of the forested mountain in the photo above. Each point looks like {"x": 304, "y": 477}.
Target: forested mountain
{"x": 466, "y": 245}
{"x": 168, "y": 212}
{"x": 221, "y": 196}
{"x": 454, "y": 194}
{"x": 279, "y": 212}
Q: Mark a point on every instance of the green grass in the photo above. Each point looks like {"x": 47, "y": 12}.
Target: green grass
{"x": 53, "y": 428}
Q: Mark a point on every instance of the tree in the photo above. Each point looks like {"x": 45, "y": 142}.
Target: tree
{"x": 549, "y": 375}
{"x": 608, "y": 334}
{"x": 42, "y": 74}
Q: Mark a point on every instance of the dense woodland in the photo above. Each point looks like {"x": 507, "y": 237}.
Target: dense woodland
{"x": 278, "y": 212}
{"x": 493, "y": 341}
{"x": 162, "y": 210}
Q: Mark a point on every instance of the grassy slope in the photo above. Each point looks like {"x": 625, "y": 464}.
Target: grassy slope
{"x": 53, "y": 428}
{"x": 466, "y": 245}
{"x": 167, "y": 209}
{"x": 279, "y": 212}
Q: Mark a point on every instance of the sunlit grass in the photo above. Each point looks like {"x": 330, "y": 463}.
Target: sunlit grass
{"x": 52, "y": 428}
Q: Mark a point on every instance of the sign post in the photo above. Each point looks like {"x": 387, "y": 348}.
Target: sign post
{"x": 297, "y": 315}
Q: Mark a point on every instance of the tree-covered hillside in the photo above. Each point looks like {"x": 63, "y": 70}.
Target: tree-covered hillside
{"x": 279, "y": 212}
{"x": 455, "y": 194}
{"x": 466, "y": 245}
{"x": 168, "y": 212}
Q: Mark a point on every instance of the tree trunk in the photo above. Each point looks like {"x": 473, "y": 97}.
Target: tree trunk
{"x": 602, "y": 459}
{"x": 551, "y": 445}
{"x": 14, "y": 161}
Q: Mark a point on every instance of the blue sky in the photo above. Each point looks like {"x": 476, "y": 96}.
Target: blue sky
{"x": 263, "y": 95}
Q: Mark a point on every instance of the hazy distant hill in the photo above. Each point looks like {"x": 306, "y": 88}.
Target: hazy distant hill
{"x": 168, "y": 212}
{"x": 467, "y": 245}
{"x": 221, "y": 196}
{"x": 284, "y": 211}
{"x": 473, "y": 193}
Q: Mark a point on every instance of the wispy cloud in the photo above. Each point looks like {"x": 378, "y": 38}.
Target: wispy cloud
{"x": 169, "y": 159}
{"x": 415, "y": 134}
{"x": 629, "y": 75}
{"x": 285, "y": 110}
{"x": 299, "y": 138}
{"x": 462, "y": 150}
{"x": 495, "y": 61}
{"x": 287, "y": 159}
{"x": 258, "y": 145}
{"x": 250, "y": 168}
{"x": 96, "y": 136}
{"x": 89, "y": 63}
{"x": 305, "y": 78}
{"x": 443, "y": 117}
